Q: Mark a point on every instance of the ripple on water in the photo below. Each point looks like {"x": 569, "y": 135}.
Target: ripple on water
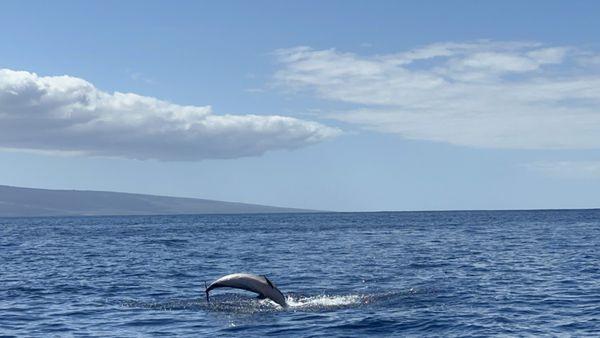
{"x": 365, "y": 274}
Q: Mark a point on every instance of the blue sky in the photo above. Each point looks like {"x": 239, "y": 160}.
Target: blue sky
{"x": 337, "y": 105}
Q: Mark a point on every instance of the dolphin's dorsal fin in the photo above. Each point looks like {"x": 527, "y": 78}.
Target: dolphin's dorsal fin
{"x": 268, "y": 281}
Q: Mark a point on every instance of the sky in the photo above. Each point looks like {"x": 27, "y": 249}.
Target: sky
{"x": 328, "y": 105}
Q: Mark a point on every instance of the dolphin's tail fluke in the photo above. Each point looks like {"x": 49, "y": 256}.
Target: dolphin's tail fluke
{"x": 206, "y": 290}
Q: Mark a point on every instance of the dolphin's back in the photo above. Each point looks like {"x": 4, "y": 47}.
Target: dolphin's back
{"x": 249, "y": 282}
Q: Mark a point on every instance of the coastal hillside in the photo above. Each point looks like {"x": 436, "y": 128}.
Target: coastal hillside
{"x": 28, "y": 202}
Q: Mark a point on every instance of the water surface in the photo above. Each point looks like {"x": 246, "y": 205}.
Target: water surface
{"x": 345, "y": 274}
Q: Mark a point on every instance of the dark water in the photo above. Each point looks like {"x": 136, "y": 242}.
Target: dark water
{"x": 356, "y": 274}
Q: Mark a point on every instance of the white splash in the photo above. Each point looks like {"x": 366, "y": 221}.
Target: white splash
{"x": 324, "y": 301}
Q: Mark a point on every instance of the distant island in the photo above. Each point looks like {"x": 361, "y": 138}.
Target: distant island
{"x": 29, "y": 202}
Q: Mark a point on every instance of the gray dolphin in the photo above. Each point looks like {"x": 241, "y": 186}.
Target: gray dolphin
{"x": 249, "y": 282}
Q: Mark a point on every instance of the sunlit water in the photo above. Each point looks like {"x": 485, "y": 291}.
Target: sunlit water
{"x": 351, "y": 274}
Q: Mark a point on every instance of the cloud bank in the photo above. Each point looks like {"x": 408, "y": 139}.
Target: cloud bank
{"x": 518, "y": 95}
{"x": 68, "y": 114}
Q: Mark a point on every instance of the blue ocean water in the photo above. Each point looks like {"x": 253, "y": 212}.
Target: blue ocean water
{"x": 466, "y": 273}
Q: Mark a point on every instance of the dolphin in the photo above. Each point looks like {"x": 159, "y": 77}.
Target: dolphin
{"x": 249, "y": 282}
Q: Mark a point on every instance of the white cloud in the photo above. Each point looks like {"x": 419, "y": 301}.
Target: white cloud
{"x": 68, "y": 114}
{"x": 519, "y": 95}
{"x": 567, "y": 169}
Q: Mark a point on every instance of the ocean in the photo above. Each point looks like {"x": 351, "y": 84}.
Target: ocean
{"x": 388, "y": 274}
